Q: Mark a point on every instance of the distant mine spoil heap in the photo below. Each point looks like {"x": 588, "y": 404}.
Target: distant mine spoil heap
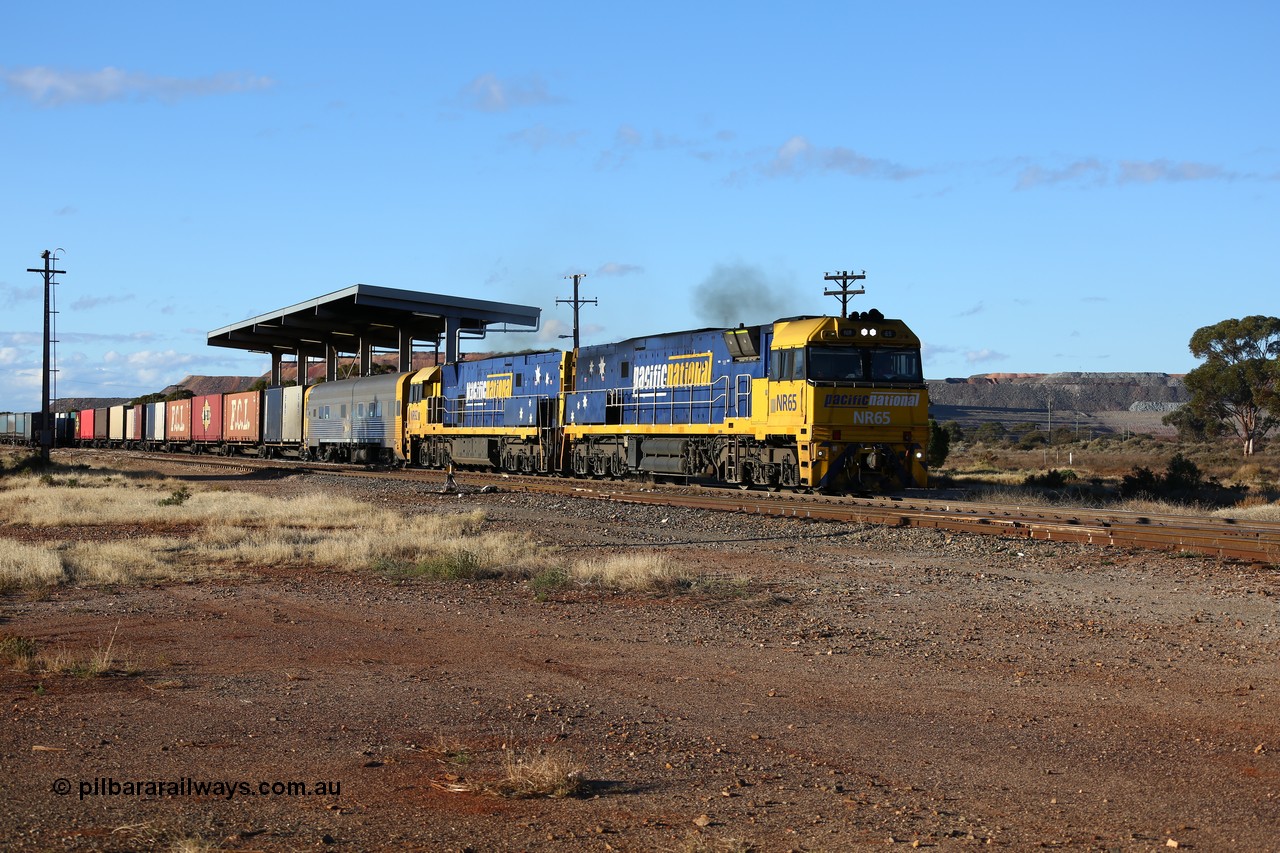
{"x": 1081, "y": 392}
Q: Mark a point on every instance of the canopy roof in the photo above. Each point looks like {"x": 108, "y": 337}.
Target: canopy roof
{"x": 372, "y": 316}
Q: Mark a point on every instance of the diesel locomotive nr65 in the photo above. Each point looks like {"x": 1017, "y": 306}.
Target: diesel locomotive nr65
{"x": 836, "y": 404}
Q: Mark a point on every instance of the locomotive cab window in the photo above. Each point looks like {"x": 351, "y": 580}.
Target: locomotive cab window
{"x": 896, "y": 365}
{"x": 836, "y": 364}
{"x": 784, "y": 365}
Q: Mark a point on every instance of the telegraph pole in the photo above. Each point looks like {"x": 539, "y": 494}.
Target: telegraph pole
{"x": 46, "y": 425}
{"x": 844, "y": 277}
{"x": 576, "y": 303}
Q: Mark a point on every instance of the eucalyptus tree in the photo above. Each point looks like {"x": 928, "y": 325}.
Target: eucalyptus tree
{"x": 1239, "y": 383}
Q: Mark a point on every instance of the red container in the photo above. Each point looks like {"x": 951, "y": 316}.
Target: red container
{"x": 178, "y": 417}
{"x": 84, "y": 425}
{"x": 135, "y": 431}
{"x": 242, "y": 417}
{"x": 206, "y": 419}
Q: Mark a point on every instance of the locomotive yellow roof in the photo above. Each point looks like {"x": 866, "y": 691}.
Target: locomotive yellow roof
{"x": 797, "y": 333}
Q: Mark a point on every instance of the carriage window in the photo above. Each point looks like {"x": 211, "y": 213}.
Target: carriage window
{"x": 343, "y": 411}
{"x": 359, "y": 410}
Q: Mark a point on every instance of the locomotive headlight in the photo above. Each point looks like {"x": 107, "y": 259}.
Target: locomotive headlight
{"x": 919, "y": 454}
{"x": 864, "y": 333}
{"x": 873, "y": 333}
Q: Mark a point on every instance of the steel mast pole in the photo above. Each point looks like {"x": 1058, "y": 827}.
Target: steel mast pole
{"x": 46, "y": 427}
{"x": 576, "y": 303}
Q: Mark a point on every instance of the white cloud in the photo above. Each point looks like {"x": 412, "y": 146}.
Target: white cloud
{"x": 617, "y": 269}
{"x": 10, "y": 295}
{"x": 1084, "y": 171}
{"x": 983, "y": 355}
{"x": 1091, "y": 172}
{"x": 84, "y": 303}
{"x": 540, "y": 136}
{"x": 51, "y": 87}
{"x": 1155, "y": 171}
{"x": 798, "y": 156}
{"x": 487, "y": 93}
{"x": 629, "y": 141}
{"x": 95, "y": 337}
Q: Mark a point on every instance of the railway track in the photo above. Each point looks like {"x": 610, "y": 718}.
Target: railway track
{"x": 1224, "y": 538}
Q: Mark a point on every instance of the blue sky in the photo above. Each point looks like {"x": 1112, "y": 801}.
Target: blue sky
{"x": 1033, "y": 187}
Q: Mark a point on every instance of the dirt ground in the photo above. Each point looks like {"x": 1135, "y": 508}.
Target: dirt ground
{"x": 861, "y": 688}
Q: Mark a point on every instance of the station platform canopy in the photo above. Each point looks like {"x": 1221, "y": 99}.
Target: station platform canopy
{"x": 359, "y": 319}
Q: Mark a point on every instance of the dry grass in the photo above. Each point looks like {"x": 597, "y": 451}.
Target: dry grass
{"x": 107, "y": 658}
{"x": 539, "y": 774}
{"x": 552, "y": 773}
{"x": 236, "y": 531}
{"x": 28, "y": 566}
{"x": 636, "y": 571}
{"x": 17, "y": 651}
{"x": 1257, "y": 512}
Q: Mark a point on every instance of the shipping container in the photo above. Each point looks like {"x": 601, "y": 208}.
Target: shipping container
{"x": 153, "y": 428}
{"x": 101, "y": 424}
{"x": 84, "y": 426}
{"x": 115, "y": 425}
{"x": 177, "y": 423}
{"x": 134, "y": 424}
{"x": 64, "y": 429}
{"x": 291, "y": 430}
{"x": 282, "y": 417}
{"x": 206, "y": 419}
{"x": 19, "y": 427}
{"x": 242, "y": 418}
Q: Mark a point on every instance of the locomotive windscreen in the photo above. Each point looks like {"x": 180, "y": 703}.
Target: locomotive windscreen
{"x": 860, "y": 364}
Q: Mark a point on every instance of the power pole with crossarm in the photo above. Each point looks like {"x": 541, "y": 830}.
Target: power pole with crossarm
{"x": 576, "y": 303}
{"x": 844, "y": 293}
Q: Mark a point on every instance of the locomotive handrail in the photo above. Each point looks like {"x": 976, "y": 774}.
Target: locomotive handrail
{"x": 653, "y": 404}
